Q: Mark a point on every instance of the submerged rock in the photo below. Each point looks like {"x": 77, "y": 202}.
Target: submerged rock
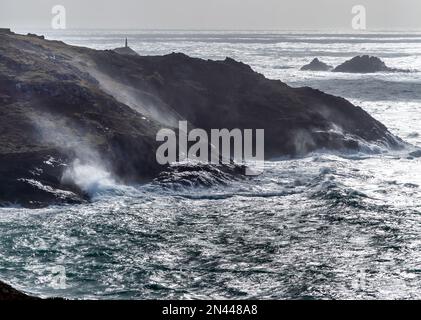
{"x": 316, "y": 65}
{"x": 93, "y": 115}
{"x": 363, "y": 64}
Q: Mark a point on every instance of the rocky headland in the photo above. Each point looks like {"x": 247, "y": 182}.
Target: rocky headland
{"x": 66, "y": 111}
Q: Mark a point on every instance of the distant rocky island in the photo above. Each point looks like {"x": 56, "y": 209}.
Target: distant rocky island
{"x": 316, "y": 65}
{"x": 358, "y": 64}
{"x": 363, "y": 64}
{"x": 62, "y": 104}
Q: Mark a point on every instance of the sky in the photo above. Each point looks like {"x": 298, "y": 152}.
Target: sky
{"x": 211, "y": 14}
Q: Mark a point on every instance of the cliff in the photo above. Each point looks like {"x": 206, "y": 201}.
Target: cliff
{"x": 60, "y": 103}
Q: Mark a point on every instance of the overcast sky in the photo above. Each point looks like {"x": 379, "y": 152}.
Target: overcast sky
{"x": 211, "y": 14}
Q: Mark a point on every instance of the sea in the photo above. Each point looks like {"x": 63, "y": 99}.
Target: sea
{"x": 324, "y": 226}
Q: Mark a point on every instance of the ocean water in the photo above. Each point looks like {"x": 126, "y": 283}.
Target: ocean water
{"x": 324, "y": 226}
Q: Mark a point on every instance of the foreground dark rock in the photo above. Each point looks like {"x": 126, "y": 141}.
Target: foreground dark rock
{"x": 363, "y": 64}
{"x": 7, "y": 293}
{"x": 62, "y": 105}
{"x": 53, "y": 113}
{"x": 316, "y": 65}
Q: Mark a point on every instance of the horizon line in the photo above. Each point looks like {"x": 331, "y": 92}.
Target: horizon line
{"x": 332, "y": 30}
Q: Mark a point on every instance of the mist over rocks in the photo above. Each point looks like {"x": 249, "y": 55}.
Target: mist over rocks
{"x": 51, "y": 108}
{"x": 316, "y": 65}
{"x": 229, "y": 94}
{"x": 63, "y": 106}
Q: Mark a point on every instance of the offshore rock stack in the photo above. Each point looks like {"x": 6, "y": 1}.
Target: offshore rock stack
{"x": 316, "y": 65}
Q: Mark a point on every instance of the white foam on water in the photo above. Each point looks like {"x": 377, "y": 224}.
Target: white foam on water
{"x": 95, "y": 180}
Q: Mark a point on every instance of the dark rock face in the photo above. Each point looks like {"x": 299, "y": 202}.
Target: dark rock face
{"x": 363, "y": 64}
{"x": 52, "y": 113}
{"x": 229, "y": 94}
{"x": 316, "y": 65}
{"x": 60, "y": 103}
{"x": 7, "y": 293}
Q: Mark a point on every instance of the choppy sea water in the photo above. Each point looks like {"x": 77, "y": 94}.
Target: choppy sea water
{"x": 324, "y": 226}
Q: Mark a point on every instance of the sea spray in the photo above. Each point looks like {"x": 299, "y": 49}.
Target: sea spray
{"x": 88, "y": 171}
{"x": 91, "y": 179}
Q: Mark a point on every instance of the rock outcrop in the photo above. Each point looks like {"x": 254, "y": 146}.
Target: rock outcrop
{"x": 7, "y": 293}
{"x": 316, "y": 65}
{"x": 61, "y": 105}
{"x": 363, "y": 64}
{"x": 126, "y": 51}
{"x": 51, "y": 113}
